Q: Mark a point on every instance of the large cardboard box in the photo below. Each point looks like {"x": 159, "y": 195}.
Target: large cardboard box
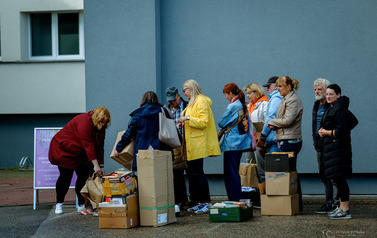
{"x": 279, "y": 205}
{"x": 281, "y": 183}
{"x": 282, "y": 162}
{"x": 156, "y": 190}
{"x": 125, "y": 157}
{"x": 248, "y": 175}
{"x": 221, "y": 214}
{"x": 123, "y": 185}
{"x": 119, "y": 215}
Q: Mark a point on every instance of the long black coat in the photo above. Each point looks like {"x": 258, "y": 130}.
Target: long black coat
{"x": 336, "y": 153}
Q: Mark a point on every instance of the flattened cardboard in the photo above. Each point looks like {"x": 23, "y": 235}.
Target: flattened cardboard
{"x": 280, "y": 205}
{"x": 156, "y": 190}
{"x": 281, "y": 183}
{"x": 119, "y": 216}
{"x": 125, "y": 157}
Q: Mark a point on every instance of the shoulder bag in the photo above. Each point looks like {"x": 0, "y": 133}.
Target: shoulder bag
{"x": 168, "y": 133}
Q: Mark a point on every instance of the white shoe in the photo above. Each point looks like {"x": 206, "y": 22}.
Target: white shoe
{"x": 59, "y": 208}
{"x": 81, "y": 208}
{"x": 177, "y": 209}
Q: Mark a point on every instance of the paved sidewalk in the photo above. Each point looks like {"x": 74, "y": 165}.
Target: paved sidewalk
{"x": 20, "y": 191}
{"x": 22, "y": 221}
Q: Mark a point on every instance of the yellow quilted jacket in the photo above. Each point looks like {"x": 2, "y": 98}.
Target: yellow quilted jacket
{"x": 200, "y": 130}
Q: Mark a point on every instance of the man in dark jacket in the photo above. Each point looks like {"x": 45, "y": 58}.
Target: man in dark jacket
{"x": 177, "y": 105}
{"x": 320, "y": 106}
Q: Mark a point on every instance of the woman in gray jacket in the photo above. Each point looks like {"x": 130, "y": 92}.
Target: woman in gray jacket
{"x": 288, "y": 121}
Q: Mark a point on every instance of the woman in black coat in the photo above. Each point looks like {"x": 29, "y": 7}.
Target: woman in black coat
{"x": 336, "y": 152}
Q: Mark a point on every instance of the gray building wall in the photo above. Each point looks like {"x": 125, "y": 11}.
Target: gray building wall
{"x": 152, "y": 44}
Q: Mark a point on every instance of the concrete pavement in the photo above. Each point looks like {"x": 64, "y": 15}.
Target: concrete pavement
{"x": 19, "y": 220}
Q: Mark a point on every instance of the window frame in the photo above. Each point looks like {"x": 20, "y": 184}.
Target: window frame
{"x": 55, "y": 39}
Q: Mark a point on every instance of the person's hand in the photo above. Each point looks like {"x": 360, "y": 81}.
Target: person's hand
{"x": 103, "y": 171}
{"x": 98, "y": 170}
{"x": 321, "y": 132}
{"x": 116, "y": 153}
{"x": 179, "y": 125}
{"x": 183, "y": 119}
{"x": 261, "y": 143}
{"x": 272, "y": 127}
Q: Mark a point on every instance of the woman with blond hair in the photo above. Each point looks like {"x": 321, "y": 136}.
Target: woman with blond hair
{"x": 257, "y": 111}
{"x": 201, "y": 141}
{"x": 288, "y": 121}
{"x": 78, "y": 147}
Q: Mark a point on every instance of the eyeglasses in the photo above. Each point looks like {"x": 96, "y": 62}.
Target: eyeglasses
{"x": 184, "y": 89}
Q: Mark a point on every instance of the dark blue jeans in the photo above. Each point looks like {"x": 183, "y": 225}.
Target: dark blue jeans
{"x": 232, "y": 178}
{"x": 290, "y": 146}
{"x": 198, "y": 183}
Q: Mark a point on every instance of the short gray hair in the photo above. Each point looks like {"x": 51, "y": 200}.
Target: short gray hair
{"x": 321, "y": 81}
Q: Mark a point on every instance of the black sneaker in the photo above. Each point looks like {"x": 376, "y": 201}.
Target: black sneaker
{"x": 326, "y": 208}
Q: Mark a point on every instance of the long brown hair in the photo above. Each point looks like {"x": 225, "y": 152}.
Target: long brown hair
{"x": 233, "y": 88}
{"x": 149, "y": 97}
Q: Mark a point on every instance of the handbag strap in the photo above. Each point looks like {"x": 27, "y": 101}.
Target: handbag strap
{"x": 239, "y": 120}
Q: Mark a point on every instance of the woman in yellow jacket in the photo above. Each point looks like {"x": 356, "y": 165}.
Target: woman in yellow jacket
{"x": 201, "y": 141}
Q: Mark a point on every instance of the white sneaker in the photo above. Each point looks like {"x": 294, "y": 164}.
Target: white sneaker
{"x": 177, "y": 209}
{"x": 81, "y": 208}
{"x": 59, "y": 208}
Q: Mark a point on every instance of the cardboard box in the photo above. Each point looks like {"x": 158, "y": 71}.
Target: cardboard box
{"x": 248, "y": 175}
{"x": 230, "y": 214}
{"x": 280, "y": 163}
{"x": 280, "y": 205}
{"x": 156, "y": 190}
{"x": 119, "y": 216}
{"x": 123, "y": 185}
{"x": 125, "y": 157}
{"x": 281, "y": 183}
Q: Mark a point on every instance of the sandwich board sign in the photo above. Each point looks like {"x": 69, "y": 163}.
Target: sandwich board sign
{"x": 45, "y": 173}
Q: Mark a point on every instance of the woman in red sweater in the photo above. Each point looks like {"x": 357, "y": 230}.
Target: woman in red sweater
{"x": 79, "y": 147}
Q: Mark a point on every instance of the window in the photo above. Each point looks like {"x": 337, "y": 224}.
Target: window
{"x": 56, "y": 36}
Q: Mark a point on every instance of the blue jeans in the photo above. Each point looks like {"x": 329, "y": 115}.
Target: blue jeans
{"x": 232, "y": 178}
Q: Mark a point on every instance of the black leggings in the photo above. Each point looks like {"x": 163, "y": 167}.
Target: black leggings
{"x": 343, "y": 189}
{"x": 64, "y": 181}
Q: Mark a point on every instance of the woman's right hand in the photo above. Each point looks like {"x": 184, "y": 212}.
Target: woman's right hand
{"x": 98, "y": 170}
{"x": 116, "y": 153}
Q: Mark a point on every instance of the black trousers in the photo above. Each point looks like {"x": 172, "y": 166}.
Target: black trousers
{"x": 343, "y": 189}
{"x": 198, "y": 183}
{"x": 62, "y": 184}
{"x": 180, "y": 191}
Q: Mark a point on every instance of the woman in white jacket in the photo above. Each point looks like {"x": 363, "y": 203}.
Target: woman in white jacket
{"x": 257, "y": 111}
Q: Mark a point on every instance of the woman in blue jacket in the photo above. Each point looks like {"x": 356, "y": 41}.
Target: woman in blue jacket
{"x": 144, "y": 127}
{"x": 236, "y": 140}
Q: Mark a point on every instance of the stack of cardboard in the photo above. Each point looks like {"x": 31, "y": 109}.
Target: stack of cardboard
{"x": 156, "y": 190}
{"x": 121, "y": 209}
{"x": 281, "y": 196}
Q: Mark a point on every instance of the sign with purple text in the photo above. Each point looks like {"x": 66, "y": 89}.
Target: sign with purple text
{"x": 45, "y": 174}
